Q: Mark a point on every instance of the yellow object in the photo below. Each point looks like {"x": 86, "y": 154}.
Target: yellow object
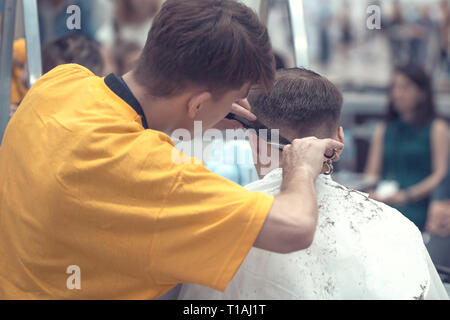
{"x": 83, "y": 185}
{"x": 18, "y": 90}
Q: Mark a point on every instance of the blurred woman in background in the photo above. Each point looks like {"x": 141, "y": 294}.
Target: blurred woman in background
{"x": 124, "y": 30}
{"x": 134, "y": 18}
{"x": 409, "y": 149}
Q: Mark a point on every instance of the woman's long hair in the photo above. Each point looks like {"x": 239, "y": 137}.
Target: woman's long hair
{"x": 425, "y": 109}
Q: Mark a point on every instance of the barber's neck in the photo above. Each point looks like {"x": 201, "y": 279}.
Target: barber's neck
{"x": 161, "y": 113}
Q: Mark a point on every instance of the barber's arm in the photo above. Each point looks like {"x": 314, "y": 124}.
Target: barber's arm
{"x": 291, "y": 223}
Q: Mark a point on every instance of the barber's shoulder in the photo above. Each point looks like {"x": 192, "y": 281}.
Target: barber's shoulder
{"x": 66, "y": 71}
{"x": 61, "y": 76}
{"x": 58, "y": 82}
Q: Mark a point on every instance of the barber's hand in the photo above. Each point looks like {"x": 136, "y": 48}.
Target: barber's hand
{"x": 242, "y": 109}
{"x": 307, "y": 154}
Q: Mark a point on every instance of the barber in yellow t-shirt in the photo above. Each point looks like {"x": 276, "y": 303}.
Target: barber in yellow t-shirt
{"x": 93, "y": 202}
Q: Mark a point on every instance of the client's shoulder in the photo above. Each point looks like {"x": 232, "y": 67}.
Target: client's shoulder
{"x": 270, "y": 184}
{"x": 356, "y": 206}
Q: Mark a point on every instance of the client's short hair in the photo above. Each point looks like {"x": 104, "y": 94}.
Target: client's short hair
{"x": 74, "y": 48}
{"x": 301, "y": 100}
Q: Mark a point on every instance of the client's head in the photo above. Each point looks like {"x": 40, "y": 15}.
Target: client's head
{"x": 302, "y": 104}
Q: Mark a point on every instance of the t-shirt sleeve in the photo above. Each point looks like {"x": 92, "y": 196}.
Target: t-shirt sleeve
{"x": 205, "y": 229}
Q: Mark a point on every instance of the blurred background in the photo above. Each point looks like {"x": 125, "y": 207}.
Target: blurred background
{"x": 331, "y": 37}
{"x": 339, "y": 45}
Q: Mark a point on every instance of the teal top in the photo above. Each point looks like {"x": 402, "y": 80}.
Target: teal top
{"x": 407, "y": 160}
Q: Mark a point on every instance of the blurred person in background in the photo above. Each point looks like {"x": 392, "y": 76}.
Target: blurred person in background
{"x": 74, "y": 48}
{"x": 126, "y": 53}
{"x": 438, "y": 228}
{"x": 409, "y": 150}
{"x": 325, "y": 18}
{"x": 18, "y": 85}
{"x": 438, "y": 222}
{"x": 19, "y": 58}
{"x": 345, "y": 24}
{"x": 423, "y": 39}
{"x": 444, "y": 36}
{"x": 96, "y": 23}
{"x": 395, "y": 28}
{"x": 134, "y": 18}
{"x": 123, "y": 30}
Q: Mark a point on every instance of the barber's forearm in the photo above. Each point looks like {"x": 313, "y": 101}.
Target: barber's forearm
{"x": 292, "y": 220}
{"x": 299, "y": 203}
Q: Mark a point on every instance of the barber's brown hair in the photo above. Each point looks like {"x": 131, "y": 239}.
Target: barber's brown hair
{"x": 219, "y": 44}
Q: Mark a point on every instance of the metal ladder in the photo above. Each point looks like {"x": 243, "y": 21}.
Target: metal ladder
{"x": 297, "y": 25}
{"x": 33, "y": 50}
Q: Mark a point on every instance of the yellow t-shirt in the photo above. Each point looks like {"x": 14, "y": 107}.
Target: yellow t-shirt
{"x": 84, "y": 184}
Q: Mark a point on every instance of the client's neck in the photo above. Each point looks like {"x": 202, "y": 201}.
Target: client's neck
{"x": 269, "y": 158}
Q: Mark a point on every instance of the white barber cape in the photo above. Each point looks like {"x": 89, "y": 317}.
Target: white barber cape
{"x": 362, "y": 249}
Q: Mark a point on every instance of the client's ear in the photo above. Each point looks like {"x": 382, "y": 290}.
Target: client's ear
{"x": 253, "y": 141}
{"x": 197, "y": 102}
{"x": 341, "y": 138}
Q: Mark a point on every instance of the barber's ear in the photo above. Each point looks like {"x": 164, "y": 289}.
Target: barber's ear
{"x": 197, "y": 102}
